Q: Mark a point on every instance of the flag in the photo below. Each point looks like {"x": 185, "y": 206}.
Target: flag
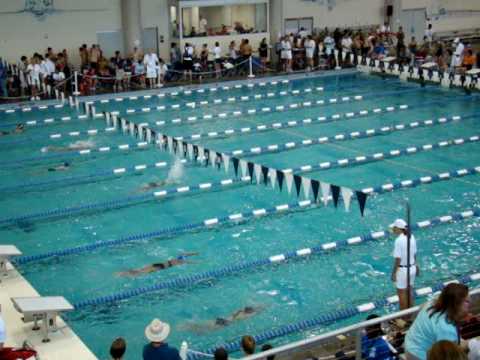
{"x": 335, "y": 189}
{"x": 265, "y": 174}
{"x": 298, "y": 183}
{"x": 325, "y": 192}
{"x": 362, "y": 199}
{"x": 280, "y": 177}
{"x": 347, "y": 197}
{"x": 315, "y": 186}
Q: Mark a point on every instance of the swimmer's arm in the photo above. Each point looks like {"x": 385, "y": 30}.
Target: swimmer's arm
{"x": 189, "y": 254}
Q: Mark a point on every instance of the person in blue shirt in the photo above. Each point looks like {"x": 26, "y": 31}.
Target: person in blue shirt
{"x": 157, "y": 332}
{"x": 374, "y": 346}
{"x": 438, "y": 321}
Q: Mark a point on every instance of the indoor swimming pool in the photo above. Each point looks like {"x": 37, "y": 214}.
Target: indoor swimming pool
{"x": 86, "y": 202}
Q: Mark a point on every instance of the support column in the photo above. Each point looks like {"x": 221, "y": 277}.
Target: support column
{"x": 132, "y": 25}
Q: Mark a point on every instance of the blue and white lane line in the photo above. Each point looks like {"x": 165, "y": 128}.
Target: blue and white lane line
{"x": 293, "y": 123}
{"x": 29, "y": 108}
{"x": 249, "y": 112}
{"x": 234, "y": 218}
{"x": 70, "y": 180}
{"x": 321, "y": 249}
{"x": 380, "y": 156}
{"x": 142, "y": 145}
{"x": 333, "y": 316}
{"x": 49, "y": 121}
{"x": 267, "y": 95}
{"x": 213, "y": 186}
{"x": 249, "y": 86}
{"x": 386, "y": 130}
{"x": 57, "y": 136}
{"x": 129, "y": 200}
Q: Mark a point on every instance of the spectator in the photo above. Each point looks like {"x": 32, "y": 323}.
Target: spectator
{"x": 286, "y": 54}
{"x": 329, "y": 44}
{"x": 94, "y": 56}
{"x": 232, "y": 52}
{"x": 400, "y": 43}
{"x": 220, "y": 354}
{"x": 34, "y": 71}
{"x": 400, "y": 265}
{"x": 267, "y": 347}
{"x": 157, "y": 332}
{"x": 469, "y": 60}
{"x": 438, "y": 320}
{"x": 118, "y": 348}
{"x": 162, "y": 72}
{"x": 457, "y": 57}
{"x": 3, "y": 79}
{"x": 248, "y": 345}
{"x": 217, "y": 53}
{"x": 151, "y": 61}
{"x": 429, "y": 34}
{"x": 310, "y": 51}
{"x": 263, "y": 52}
{"x": 83, "y": 55}
{"x": 446, "y": 350}
{"x": 202, "y": 26}
{"x": 188, "y": 61}
{"x": 374, "y": 346}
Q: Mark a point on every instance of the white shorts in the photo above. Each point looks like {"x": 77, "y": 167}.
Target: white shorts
{"x": 151, "y": 73}
{"x": 286, "y": 55}
{"x": 309, "y": 54}
{"x": 401, "y": 282}
{"x": 35, "y": 81}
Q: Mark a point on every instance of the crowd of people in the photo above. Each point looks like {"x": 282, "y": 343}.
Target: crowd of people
{"x": 302, "y": 51}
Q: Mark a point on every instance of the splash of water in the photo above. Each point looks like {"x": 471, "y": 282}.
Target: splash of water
{"x": 176, "y": 171}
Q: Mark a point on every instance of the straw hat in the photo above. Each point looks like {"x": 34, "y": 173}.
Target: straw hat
{"x": 157, "y": 331}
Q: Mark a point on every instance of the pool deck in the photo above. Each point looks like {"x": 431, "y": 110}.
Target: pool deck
{"x": 64, "y": 343}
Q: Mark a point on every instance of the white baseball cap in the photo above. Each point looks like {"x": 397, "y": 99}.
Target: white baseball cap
{"x": 399, "y": 224}
{"x": 457, "y": 40}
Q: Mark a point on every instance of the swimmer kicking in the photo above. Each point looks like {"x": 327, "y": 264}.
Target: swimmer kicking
{"x": 179, "y": 260}
{"x": 20, "y": 128}
{"x": 64, "y": 167}
{"x": 220, "y": 322}
{"x": 153, "y": 185}
{"x": 76, "y": 146}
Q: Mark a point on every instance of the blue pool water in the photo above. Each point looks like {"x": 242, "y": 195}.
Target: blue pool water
{"x": 286, "y": 292}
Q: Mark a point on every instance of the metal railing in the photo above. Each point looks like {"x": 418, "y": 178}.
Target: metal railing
{"x": 345, "y": 342}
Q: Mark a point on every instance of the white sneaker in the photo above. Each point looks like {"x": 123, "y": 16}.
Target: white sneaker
{"x": 37, "y": 98}
{"x": 32, "y": 98}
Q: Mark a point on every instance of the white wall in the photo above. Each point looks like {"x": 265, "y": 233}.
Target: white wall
{"x": 23, "y": 34}
{"x": 345, "y": 13}
{"x": 155, "y": 13}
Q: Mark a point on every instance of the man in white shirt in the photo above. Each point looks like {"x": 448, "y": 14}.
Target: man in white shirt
{"x": 151, "y": 61}
{"x": 202, "y": 26}
{"x": 400, "y": 264}
{"x": 217, "y": 53}
{"x": 309, "y": 51}
{"x": 429, "y": 33}
{"x": 457, "y": 57}
{"x": 346, "y": 45}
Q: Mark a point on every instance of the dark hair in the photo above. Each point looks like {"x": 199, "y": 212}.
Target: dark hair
{"x": 267, "y": 347}
{"x": 374, "y": 331}
{"x": 220, "y": 354}
{"x": 118, "y": 348}
{"x": 446, "y": 350}
{"x": 248, "y": 344}
{"x": 450, "y": 302}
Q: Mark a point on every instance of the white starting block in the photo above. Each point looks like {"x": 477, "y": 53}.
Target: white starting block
{"x": 473, "y": 72}
{"x": 42, "y": 308}
{"x": 6, "y": 252}
{"x": 389, "y": 59}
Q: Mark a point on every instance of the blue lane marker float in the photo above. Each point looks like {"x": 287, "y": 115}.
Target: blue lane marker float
{"x": 56, "y": 136}
{"x": 389, "y": 187}
{"x": 364, "y": 159}
{"x": 292, "y": 123}
{"x": 72, "y": 179}
{"x": 245, "y": 98}
{"x": 334, "y": 316}
{"x": 226, "y": 88}
{"x": 99, "y": 150}
{"x": 386, "y": 130}
{"x": 255, "y": 111}
{"x": 48, "y": 121}
{"x": 321, "y": 249}
{"x": 29, "y": 108}
{"x": 170, "y": 231}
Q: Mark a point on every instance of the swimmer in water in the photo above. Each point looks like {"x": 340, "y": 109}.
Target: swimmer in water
{"x": 20, "y": 128}
{"x": 65, "y": 166}
{"x": 153, "y": 185}
{"x": 220, "y": 322}
{"x": 179, "y": 260}
{"x": 78, "y": 145}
